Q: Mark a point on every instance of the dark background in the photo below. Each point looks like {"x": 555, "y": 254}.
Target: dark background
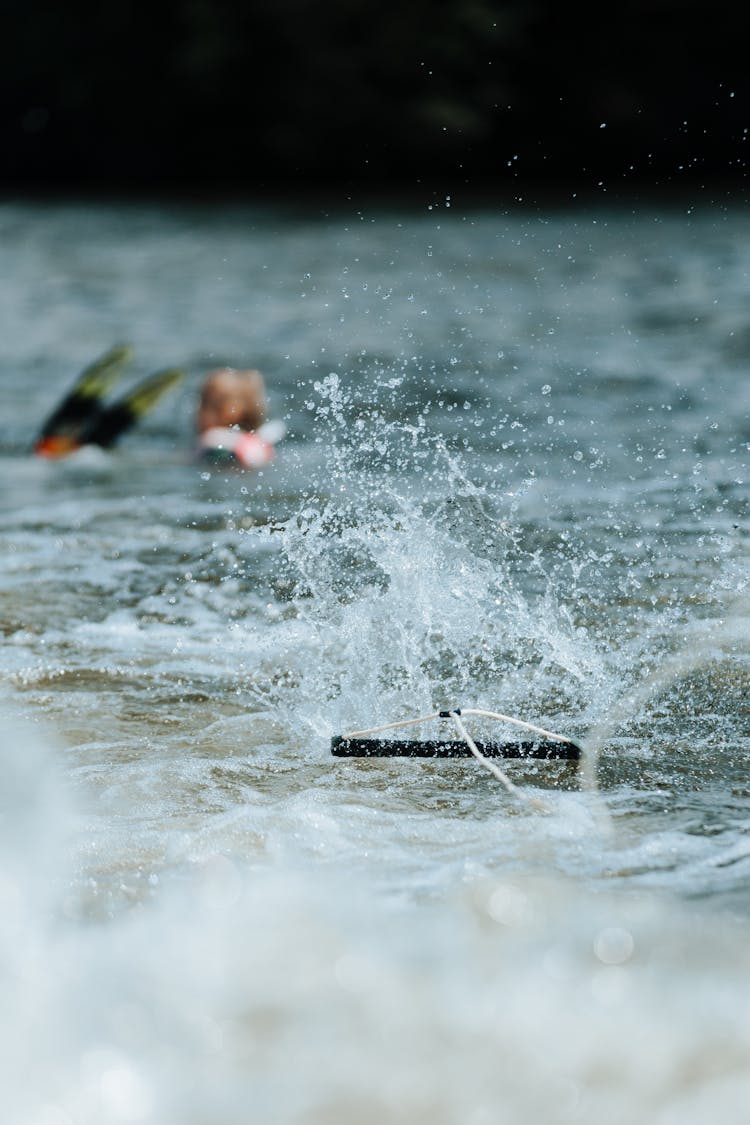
{"x": 269, "y": 97}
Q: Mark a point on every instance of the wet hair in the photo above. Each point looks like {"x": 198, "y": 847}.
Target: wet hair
{"x": 247, "y": 384}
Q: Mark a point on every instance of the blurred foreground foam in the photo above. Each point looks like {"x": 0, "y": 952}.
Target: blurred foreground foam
{"x": 296, "y": 992}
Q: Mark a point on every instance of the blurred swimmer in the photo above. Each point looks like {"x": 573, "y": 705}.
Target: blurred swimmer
{"x": 231, "y": 421}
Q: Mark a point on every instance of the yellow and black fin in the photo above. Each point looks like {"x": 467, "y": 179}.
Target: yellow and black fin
{"x": 112, "y": 422}
{"x": 82, "y": 405}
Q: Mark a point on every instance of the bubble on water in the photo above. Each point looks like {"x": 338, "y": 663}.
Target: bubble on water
{"x": 115, "y": 1082}
{"x": 614, "y": 945}
{"x": 510, "y": 906}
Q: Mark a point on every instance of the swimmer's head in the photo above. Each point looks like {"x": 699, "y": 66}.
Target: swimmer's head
{"x": 231, "y": 397}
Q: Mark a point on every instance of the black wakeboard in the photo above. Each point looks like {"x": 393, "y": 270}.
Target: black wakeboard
{"x": 342, "y": 747}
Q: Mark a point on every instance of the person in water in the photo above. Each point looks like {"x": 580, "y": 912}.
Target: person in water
{"x": 231, "y": 421}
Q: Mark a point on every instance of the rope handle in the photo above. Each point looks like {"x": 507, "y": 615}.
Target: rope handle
{"x": 461, "y": 711}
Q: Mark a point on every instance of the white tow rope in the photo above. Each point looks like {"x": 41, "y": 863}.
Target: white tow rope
{"x": 501, "y": 776}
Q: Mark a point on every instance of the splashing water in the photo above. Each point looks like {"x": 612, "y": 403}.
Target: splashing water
{"x": 412, "y": 584}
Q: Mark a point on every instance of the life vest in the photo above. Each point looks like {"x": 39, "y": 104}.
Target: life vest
{"x": 249, "y": 450}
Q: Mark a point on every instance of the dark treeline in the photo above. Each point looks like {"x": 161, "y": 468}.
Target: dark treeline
{"x": 253, "y": 97}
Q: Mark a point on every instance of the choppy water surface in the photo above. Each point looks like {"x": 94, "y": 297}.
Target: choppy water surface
{"x": 515, "y": 477}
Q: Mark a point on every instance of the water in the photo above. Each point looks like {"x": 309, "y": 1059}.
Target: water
{"x": 515, "y": 477}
